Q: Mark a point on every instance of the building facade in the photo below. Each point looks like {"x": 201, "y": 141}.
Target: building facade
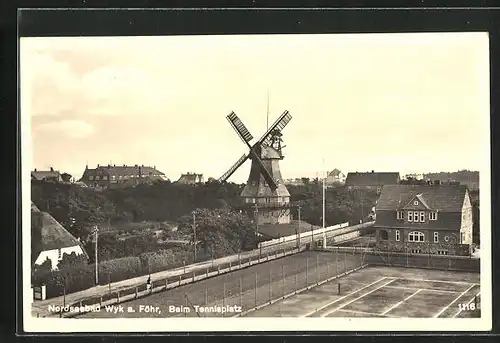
{"x": 428, "y": 219}
{"x": 116, "y": 176}
{"x": 46, "y": 175}
{"x": 371, "y": 180}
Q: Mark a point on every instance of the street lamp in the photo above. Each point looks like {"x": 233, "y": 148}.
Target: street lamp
{"x": 194, "y": 234}
{"x": 95, "y": 232}
{"x": 324, "y": 189}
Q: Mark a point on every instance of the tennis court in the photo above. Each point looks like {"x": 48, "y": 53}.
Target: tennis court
{"x": 386, "y": 292}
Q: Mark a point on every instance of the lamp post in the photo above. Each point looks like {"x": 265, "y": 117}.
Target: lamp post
{"x": 95, "y": 232}
{"x": 256, "y": 214}
{"x": 194, "y": 235}
{"x": 298, "y": 236}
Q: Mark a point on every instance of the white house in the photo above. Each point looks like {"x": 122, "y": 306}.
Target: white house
{"x": 335, "y": 176}
{"x": 51, "y": 240}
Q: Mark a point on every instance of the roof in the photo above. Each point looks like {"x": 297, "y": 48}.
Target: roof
{"x": 43, "y": 174}
{"x": 334, "y": 172}
{"x": 372, "y": 179}
{"x": 190, "y": 178}
{"x": 443, "y": 198}
{"x": 48, "y": 234}
{"x": 124, "y": 170}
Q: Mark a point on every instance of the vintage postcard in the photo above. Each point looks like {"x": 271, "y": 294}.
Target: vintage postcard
{"x": 331, "y": 182}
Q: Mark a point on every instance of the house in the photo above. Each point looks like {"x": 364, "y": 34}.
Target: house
{"x": 46, "y": 175}
{"x": 191, "y": 178}
{"x": 335, "y": 176}
{"x": 430, "y": 219}
{"x": 116, "y": 176}
{"x": 51, "y": 240}
{"x": 371, "y": 180}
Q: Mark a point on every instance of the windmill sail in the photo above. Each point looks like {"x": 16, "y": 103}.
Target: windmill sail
{"x": 239, "y": 127}
{"x": 279, "y": 125}
{"x": 235, "y": 166}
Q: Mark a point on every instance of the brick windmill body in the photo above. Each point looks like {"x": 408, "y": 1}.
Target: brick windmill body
{"x": 265, "y": 197}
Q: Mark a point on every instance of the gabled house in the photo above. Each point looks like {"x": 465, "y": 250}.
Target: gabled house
{"x": 51, "y": 240}
{"x": 46, "y": 175}
{"x": 335, "y": 176}
{"x": 191, "y": 178}
{"x": 430, "y": 219}
{"x": 371, "y": 180}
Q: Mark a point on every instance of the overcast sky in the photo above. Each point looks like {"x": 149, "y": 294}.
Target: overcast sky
{"x": 388, "y": 102}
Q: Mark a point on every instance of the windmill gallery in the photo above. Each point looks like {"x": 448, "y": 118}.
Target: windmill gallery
{"x": 264, "y": 196}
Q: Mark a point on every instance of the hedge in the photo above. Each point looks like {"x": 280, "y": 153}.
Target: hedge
{"x": 80, "y": 277}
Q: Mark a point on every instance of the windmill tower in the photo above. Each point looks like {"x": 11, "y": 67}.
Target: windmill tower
{"x": 265, "y": 195}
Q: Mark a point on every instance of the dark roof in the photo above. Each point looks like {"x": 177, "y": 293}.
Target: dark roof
{"x": 48, "y": 234}
{"x": 372, "y": 179}
{"x": 443, "y": 198}
{"x": 43, "y": 174}
{"x": 334, "y": 172}
{"x": 123, "y": 170}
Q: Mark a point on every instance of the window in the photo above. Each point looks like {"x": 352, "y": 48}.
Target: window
{"x": 436, "y": 237}
{"x": 113, "y": 177}
{"x": 416, "y": 236}
{"x": 59, "y": 254}
{"x": 433, "y": 215}
{"x": 97, "y": 177}
{"x": 462, "y": 237}
{"x": 379, "y": 189}
{"x": 91, "y": 177}
{"x": 400, "y": 214}
{"x": 397, "y": 235}
{"x": 415, "y": 216}
{"x": 105, "y": 177}
{"x": 415, "y": 203}
{"x": 442, "y": 252}
{"x": 410, "y": 216}
{"x": 422, "y": 217}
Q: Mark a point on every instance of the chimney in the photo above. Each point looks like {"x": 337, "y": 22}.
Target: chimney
{"x": 51, "y": 169}
{"x": 97, "y": 165}
{"x": 35, "y": 169}
{"x": 373, "y": 171}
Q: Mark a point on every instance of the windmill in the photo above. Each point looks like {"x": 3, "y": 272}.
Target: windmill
{"x": 265, "y": 189}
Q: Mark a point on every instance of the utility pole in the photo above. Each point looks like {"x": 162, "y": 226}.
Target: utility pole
{"x": 194, "y": 234}
{"x": 298, "y": 237}
{"x": 95, "y": 232}
{"x": 324, "y": 189}
{"x": 256, "y": 213}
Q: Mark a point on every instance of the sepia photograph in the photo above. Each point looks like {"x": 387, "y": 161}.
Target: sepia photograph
{"x": 328, "y": 182}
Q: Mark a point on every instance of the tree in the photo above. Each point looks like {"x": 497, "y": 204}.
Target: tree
{"x": 72, "y": 260}
{"x": 219, "y": 231}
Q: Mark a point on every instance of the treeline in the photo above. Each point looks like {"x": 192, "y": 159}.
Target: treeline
{"x": 78, "y": 209}
{"x": 341, "y": 204}
{"x": 461, "y": 175}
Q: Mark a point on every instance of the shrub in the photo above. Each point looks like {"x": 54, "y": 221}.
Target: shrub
{"x": 119, "y": 269}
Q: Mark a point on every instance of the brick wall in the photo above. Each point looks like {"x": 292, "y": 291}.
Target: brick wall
{"x": 424, "y": 247}
{"x": 424, "y": 261}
